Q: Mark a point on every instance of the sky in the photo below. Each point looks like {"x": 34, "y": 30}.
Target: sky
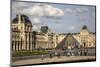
{"x": 60, "y": 18}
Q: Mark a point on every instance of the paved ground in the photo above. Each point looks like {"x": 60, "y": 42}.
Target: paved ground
{"x": 54, "y": 59}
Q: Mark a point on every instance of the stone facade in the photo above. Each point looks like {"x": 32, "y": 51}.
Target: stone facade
{"x": 24, "y": 38}
{"x": 46, "y": 40}
{"x": 85, "y": 38}
{"x": 21, "y": 33}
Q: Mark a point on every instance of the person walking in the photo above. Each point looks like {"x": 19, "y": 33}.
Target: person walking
{"x": 42, "y": 56}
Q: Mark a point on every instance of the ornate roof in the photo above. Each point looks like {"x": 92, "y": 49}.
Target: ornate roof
{"x": 84, "y": 27}
{"x": 24, "y": 18}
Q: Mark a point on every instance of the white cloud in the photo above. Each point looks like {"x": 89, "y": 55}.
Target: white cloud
{"x": 52, "y": 11}
{"x": 36, "y": 21}
{"x": 35, "y": 28}
{"x": 37, "y": 9}
{"x": 36, "y": 24}
{"x": 33, "y": 10}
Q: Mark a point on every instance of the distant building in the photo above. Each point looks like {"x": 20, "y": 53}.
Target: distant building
{"x": 46, "y": 40}
{"x": 85, "y": 38}
{"x": 22, "y": 37}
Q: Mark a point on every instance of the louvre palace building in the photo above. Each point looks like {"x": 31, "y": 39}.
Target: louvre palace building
{"x": 24, "y": 38}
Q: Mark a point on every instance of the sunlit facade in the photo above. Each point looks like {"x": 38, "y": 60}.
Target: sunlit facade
{"x": 22, "y": 37}
{"x": 86, "y": 38}
{"x": 46, "y": 40}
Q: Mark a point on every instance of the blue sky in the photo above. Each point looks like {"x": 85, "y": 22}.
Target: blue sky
{"x": 60, "y": 18}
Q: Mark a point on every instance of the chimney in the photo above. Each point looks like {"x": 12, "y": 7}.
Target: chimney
{"x": 23, "y": 19}
{"x": 19, "y": 18}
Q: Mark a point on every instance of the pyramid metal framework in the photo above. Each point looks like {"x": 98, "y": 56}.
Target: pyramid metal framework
{"x": 69, "y": 40}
